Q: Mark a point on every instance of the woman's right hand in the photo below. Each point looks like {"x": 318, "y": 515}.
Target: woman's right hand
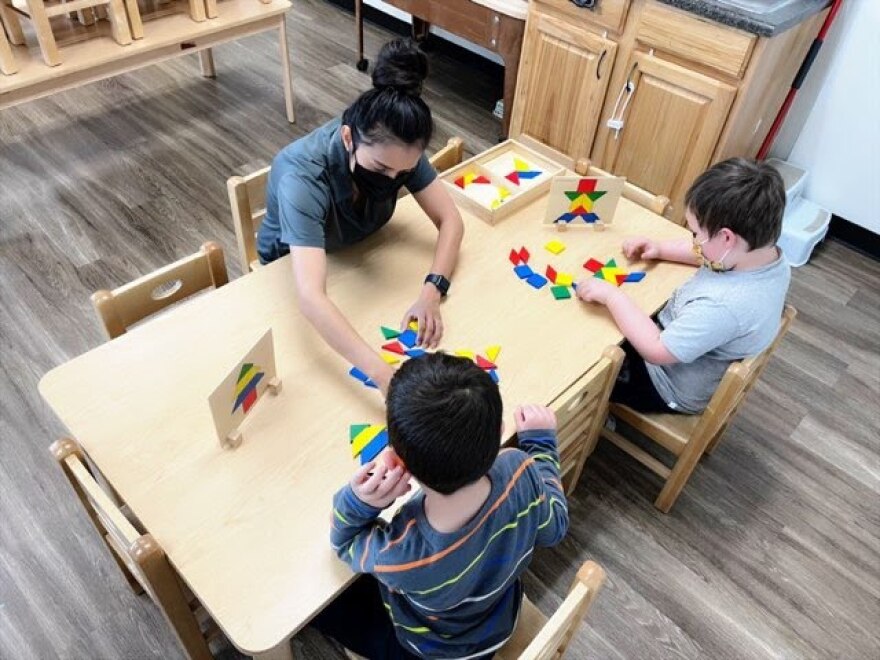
{"x": 641, "y": 248}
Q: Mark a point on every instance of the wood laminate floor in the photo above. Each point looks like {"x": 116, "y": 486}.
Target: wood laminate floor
{"x": 771, "y": 552}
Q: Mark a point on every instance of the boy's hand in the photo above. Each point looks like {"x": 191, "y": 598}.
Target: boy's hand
{"x": 592, "y": 289}
{"x": 534, "y": 418}
{"x": 640, "y": 247}
{"x": 377, "y": 486}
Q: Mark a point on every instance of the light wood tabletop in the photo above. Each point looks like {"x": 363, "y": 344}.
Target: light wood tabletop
{"x": 248, "y": 528}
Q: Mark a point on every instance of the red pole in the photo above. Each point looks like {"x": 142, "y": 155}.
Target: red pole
{"x": 798, "y": 80}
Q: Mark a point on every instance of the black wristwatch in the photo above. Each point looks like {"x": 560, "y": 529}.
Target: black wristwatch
{"x": 440, "y": 282}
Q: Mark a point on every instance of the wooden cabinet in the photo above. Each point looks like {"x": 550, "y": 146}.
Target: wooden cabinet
{"x": 560, "y": 92}
{"x": 687, "y": 92}
{"x": 671, "y": 119}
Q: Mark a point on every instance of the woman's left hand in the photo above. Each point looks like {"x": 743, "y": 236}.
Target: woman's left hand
{"x": 426, "y": 312}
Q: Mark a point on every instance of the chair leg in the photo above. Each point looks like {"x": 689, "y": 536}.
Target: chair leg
{"x": 211, "y": 9}
{"x": 119, "y": 22}
{"x": 134, "y": 19}
{"x": 7, "y": 59}
{"x": 12, "y": 24}
{"x": 86, "y": 16}
{"x": 197, "y": 10}
{"x": 37, "y": 12}
{"x": 206, "y": 63}
{"x": 681, "y": 472}
{"x": 286, "y": 71}
{"x": 716, "y": 440}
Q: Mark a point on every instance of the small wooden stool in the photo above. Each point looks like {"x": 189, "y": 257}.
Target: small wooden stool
{"x": 39, "y": 12}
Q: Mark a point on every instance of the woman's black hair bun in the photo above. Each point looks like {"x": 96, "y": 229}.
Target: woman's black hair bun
{"x": 401, "y": 66}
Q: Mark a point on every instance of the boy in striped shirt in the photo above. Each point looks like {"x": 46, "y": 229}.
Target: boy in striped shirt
{"x": 443, "y": 577}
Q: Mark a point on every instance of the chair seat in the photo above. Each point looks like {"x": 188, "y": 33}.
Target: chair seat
{"x": 527, "y": 628}
{"x": 669, "y": 430}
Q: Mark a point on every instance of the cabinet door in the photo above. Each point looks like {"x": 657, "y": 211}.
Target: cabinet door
{"x": 563, "y": 77}
{"x": 671, "y": 125}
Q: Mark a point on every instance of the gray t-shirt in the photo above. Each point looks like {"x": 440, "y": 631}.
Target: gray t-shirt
{"x": 310, "y": 196}
{"x": 714, "y": 319}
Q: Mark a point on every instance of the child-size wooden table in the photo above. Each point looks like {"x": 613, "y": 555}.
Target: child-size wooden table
{"x": 170, "y": 36}
{"x": 248, "y": 529}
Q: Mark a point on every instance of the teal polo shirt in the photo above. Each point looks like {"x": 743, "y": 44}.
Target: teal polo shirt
{"x": 310, "y": 195}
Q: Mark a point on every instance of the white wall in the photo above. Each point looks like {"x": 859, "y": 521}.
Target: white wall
{"x": 833, "y": 129}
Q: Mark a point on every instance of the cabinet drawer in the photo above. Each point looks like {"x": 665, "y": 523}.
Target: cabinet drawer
{"x": 610, "y": 14}
{"x": 673, "y": 31}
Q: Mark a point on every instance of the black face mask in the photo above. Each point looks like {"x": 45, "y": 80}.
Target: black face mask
{"x": 376, "y": 185}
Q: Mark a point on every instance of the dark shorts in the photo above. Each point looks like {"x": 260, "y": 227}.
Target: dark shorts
{"x": 634, "y": 387}
{"x": 358, "y": 620}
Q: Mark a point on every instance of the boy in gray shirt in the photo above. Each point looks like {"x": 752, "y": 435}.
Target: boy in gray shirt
{"x": 729, "y": 310}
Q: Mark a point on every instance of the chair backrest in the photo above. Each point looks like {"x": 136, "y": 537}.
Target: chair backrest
{"x": 551, "y": 640}
{"x": 738, "y": 380}
{"x": 659, "y": 204}
{"x": 580, "y": 412}
{"x": 247, "y": 199}
{"x": 449, "y": 156}
{"x": 136, "y": 553}
{"x": 132, "y": 302}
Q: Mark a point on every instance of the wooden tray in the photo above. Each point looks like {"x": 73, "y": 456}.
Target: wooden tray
{"x": 501, "y": 180}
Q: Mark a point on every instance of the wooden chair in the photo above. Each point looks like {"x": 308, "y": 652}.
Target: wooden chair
{"x": 247, "y": 199}
{"x": 536, "y": 637}
{"x": 142, "y": 561}
{"x": 449, "y": 156}
{"x": 40, "y": 12}
{"x": 580, "y": 412}
{"x": 688, "y": 437}
{"x": 539, "y": 638}
{"x": 132, "y": 302}
{"x": 659, "y": 204}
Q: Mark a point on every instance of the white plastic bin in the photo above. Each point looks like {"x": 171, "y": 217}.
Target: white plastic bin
{"x": 804, "y": 223}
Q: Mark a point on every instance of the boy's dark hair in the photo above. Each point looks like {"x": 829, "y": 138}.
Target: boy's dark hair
{"x": 746, "y": 196}
{"x": 444, "y": 420}
{"x": 393, "y": 110}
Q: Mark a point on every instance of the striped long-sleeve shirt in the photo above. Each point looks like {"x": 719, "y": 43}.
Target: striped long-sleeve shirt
{"x": 457, "y": 595}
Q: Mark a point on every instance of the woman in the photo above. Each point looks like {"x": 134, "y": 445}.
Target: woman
{"x": 339, "y": 184}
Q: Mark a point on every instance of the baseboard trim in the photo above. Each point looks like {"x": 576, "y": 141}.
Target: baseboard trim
{"x": 855, "y": 236}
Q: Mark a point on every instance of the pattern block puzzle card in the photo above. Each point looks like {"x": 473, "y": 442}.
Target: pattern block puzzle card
{"x": 583, "y": 201}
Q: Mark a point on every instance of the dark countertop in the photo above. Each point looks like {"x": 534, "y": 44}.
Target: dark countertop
{"x": 727, "y": 12}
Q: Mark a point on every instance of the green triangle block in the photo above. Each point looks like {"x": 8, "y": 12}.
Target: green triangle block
{"x": 611, "y": 264}
{"x": 574, "y": 194}
{"x": 244, "y": 369}
{"x": 596, "y": 195}
{"x": 598, "y": 274}
{"x": 355, "y": 431}
{"x": 560, "y": 292}
{"x": 388, "y": 333}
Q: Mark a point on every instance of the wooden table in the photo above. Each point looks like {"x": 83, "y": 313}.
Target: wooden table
{"x": 248, "y": 528}
{"x": 167, "y": 37}
{"x": 497, "y": 25}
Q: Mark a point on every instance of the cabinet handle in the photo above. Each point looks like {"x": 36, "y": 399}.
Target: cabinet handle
{"x": 585, "y": 4}
{"x": 599, "y": 65}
